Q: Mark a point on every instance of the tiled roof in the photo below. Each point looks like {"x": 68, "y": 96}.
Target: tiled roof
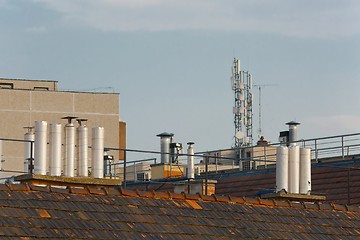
{"x": 29, "y": 211}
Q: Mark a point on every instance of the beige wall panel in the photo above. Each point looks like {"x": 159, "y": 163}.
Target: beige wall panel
{"x": 14, "y": 99}
{"x": 12, "y": 124}
{"x": 52, "y": 101}
{"x": 30, "y": 84}
{"x": 97, "y": 103}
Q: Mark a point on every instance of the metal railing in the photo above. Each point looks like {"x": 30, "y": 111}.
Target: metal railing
{"x": 339, "y": 147}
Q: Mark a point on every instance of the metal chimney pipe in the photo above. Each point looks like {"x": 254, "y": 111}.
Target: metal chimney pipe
{"x": 294, "y": 169}
{"x": 190, "y": 161}
{"x": 82, "y": 133}
{"x": 165, "y": 140}
{"x": 97, "y": 148}
{"x": 55, "y": 149}
{"x": 292, "y": 132}
{"x": 29, "y": 138}
{"x": 40, "y": 147}
{"x": 305, "y": 170}
{"x": 69, "y": 163}
{"x": 282, "y": 168}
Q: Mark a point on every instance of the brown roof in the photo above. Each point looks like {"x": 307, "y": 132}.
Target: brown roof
{"x": 30, "y": 211}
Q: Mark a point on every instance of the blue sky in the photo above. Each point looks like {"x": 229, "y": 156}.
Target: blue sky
{"x": 170, "y": 61}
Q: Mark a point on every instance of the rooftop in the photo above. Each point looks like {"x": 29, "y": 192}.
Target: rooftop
{"x": 31, "y": 211}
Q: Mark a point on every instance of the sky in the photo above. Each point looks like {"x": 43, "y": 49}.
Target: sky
{"x": 171, "y": 62}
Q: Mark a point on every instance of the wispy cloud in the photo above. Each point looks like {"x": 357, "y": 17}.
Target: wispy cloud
{"x": 36, "y": 29}
{"x": 324, "y": 18}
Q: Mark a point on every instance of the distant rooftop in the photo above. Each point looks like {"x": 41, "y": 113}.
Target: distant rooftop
{"x": 25, "y": 84}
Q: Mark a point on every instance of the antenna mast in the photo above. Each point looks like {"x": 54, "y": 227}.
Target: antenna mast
{"x": 259, "y": 86}
{"x": 241, "y": 83}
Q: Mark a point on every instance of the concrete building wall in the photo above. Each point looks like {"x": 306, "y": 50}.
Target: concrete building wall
{"x": 29, "y": 84}
{"x": 21, "y": 106}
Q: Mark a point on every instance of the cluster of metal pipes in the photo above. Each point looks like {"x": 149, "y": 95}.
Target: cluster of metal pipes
{"x": 67, "y": 164}
{"x": 293, "y": 169}
{"x": 165, "y": 141}
{"x": 293, "y": 165}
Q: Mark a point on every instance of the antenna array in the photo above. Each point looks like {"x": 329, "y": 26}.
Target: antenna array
{"x": 241, "y": 83}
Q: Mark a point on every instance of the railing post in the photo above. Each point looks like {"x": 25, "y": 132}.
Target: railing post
{"x": 216, "y": 163}
{"x": 31, "y": 159}
{"x": 206, "y": 174}
{"x": 316, "y": 152}
{"x": 124, "y": 180}
{"x": 265, "y": 158}
{"x": 342, "y": 147}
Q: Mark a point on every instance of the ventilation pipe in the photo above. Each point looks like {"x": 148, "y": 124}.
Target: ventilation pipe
{"x": 190, "y": 161}
{"x": 40, "y": 147}
{"x": 282, "y": 168}
{"x": 97, "y": 152}
{"x": 165, "y": 140}
{"x": 29, "y": 138}
{"x": 305, "y": 171}
{"x": 69, "y": 147}
{"x": 292, "y": 132}
{"x": 55, "y": 149}
{"x": 294, "y": 169}
{"x": 82, "y": 133}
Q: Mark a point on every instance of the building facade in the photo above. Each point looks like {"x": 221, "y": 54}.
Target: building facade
{"x": 25, "y": 101}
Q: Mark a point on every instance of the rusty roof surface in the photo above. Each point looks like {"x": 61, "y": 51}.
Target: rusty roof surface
{"x": 30, "y": 211}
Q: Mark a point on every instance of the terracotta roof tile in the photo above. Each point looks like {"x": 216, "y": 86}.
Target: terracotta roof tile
{"x": 177, "y": 196}
{"x": 164, "y": 195}
{"x": 111, "y": 214}
{"x": 56, "y": 189}
{"x": 96, "y": 190}
{"x": 18, "y": 187}
{"x": 221, "y": 198}
{"x": 128, "y": 192}
{"x": 207, "y": 198}
{"x": 112, "y": 192}
{"x": 236, "y": 199}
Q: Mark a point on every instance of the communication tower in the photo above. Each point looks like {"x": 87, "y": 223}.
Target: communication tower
{"x": 241, "y": 83}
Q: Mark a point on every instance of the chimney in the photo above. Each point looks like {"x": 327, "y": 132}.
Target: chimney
{"x": 190, "y": 162}
{"x": 305, "y": 170}
{"x": 165, "y": 140}
{"x": 55, "y": 149}
{"x": 97, "y": 149}
{"x": 292, "y": 132}
{"x": 282, "y": 168}
{"x": 40, "y": 147}
{"x": 69, "y": 147}
{"x": 82, "y": 133}
{"x": 293, "y": 171}
{"x": 29, "y": 138}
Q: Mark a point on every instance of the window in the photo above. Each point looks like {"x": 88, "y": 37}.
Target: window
{"x": 7, "y": 85}
{"x": 41, "y": 88}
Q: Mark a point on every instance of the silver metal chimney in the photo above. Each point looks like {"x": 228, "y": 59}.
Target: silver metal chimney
{"x": 190, "y": 161}
{"x": 292, "y": 132}
{"x": 69, "y": 162}
{"x": 165, "y": 140}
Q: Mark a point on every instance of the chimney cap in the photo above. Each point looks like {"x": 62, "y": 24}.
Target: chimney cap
{"x": 165, "y": 134}
{"x": 292, "y": 123}
{"x": 69, "y": 118}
